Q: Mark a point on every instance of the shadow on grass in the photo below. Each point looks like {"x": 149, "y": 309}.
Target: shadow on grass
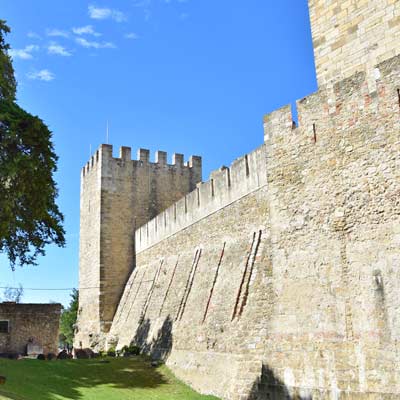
{"x": 35, "y": 379}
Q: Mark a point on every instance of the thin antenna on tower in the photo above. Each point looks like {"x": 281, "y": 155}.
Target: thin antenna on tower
{"x": 107, "y": 133}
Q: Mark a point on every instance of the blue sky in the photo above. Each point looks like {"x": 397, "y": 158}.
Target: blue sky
{"x": 187, "y": 76}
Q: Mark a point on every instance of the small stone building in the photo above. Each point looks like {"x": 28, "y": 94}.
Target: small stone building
{"x": 29, "y": 324}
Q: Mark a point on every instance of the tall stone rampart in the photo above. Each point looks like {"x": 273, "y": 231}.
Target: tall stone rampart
{"x": 225, "y": 186}
{"x": 118, "y": 195}
{"x": 279, "y": 277}
{"x": 334, "y": 185}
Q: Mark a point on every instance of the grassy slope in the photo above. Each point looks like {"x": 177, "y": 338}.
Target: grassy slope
{"x": 120, "y": 379}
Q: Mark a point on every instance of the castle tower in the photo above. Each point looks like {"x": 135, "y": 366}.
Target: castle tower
{"x": 119, "y": 195}
{"x": 352, "y": 36}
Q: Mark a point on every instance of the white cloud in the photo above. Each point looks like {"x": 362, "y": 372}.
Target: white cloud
{"x": 33, "y": 35}
{"x": 95, "y": 45}
{"x": 42, "y": 75}
{"x": 86, "y": 30}
{"x": 106, "y": 13}
{"x": 57, "y": 32}
{"x": 25, "y": 53}
{"x": 55, "y": 48}
{"x": 131, "y": 36}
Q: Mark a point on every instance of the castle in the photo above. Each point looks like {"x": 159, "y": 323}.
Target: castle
{"x": 279, "y": 277}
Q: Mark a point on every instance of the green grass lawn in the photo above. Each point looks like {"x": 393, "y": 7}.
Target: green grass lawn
{"x": 120, "y": 379}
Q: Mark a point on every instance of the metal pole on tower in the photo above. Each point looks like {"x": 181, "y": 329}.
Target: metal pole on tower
{"x": 107, "y": 133}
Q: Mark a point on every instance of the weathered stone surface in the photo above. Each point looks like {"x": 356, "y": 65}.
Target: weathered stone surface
{"x": 117, "y": 196}
{"x": 279, "y": 277}
{"x": 353, "y": 36}
{"x": 30, "y": 324}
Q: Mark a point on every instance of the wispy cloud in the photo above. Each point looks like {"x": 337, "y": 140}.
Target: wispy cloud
{"x": 131, "y": 36}
{"x": 57, "y": 32}
{"x": 94, "y": 45}
{"x": 57, "y": 49}
{"x": 141, "y": 3}
{"x": 106, "y": 13}
{"x": 86, "y": 30}
{"x": 42, "y": 75}
{"x": 33, "y": 35}
{"x": 25, "y": 53}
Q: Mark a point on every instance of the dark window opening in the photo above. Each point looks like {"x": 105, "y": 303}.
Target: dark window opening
{"x": 3, "y": 326}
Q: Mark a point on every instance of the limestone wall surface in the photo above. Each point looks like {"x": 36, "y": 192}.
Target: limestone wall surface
{"x": 189, "y": 298}
{"x": 36, "y": 322}
{"x": 118, "y": 195}
{"x": 353, "y": 36}
{"x": 334, "y": 186}
{"x": 287, "y": 285}
{"x": 89, "y": 253}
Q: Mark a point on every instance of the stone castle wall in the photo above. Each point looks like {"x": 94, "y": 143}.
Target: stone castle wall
{"x": 334, "y": 186}
{"x": 118, "y": 195}
{"x": 36, "y": 322}
{"x": 353, "y": 36}
{"x": 280, "y": 275}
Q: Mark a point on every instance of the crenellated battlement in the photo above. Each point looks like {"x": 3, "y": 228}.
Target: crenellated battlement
{"x": 320, "y": 113}
{"x": 105, "y": 152}
{"x": 279, "y": 275}
{"x": 279, "y": 122}
{"x": 119, "y": 194}
{"x": 340, "y": 105}
{"x": 225, "y": 186}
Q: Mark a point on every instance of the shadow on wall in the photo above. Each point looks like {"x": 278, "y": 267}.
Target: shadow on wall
{"x": 269, "y": 387}
{"x": 160, "y": 346}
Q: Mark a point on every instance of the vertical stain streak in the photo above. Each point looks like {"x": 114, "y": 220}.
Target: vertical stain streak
{"x": 253, "y": 260}
{"x": 134, "y": 299}
{"x": 315, "y": 133}
{"x": 235, "y": 309}
{"x": 169, "y": 287}
{"x": 150, "y": 292}
{"x": 188, "y": 286}
{"x": 246, "y": 159}
{"x": 398, "y": 96}
{"x": 214, "y": 282}
{"x": 126, "y": 297}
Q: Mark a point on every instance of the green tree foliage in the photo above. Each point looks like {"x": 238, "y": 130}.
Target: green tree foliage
{"x": 8, "y": 85}
{"x": 68, "y": 319}
{"x": 29, "y": 216}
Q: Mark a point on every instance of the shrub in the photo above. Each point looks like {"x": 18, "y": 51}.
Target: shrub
{"x": 111, "y": 351}
{"x": 130, "y": 350}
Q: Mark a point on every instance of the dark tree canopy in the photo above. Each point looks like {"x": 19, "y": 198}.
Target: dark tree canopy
{"x": 29, "y": 216}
